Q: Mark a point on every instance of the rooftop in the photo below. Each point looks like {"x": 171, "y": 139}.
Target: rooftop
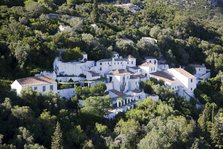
{"x": 105, "y": 60}
{"x": 146, "y": 64}
{"x": 184, "y": 72}
{"x": 198, "y": 66}
{"x": 94, "y": 74}
{"x": 136, "y": 76}
{"x": 134, "y": 67}
{"x": 136, "y": 91}
{"x": 36, "y": 80}
{"x": 118, "y": 93}
{"x": 161, "y": 75}
{"x": 120, "y": 72}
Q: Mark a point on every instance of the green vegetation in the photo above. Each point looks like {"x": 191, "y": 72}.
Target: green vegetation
{"x": 72, "y": 54}
{"x": 186, "y": 33}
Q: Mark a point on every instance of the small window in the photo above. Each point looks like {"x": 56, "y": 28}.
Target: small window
{"x": 118, "y": 62}
{"x": 191, "y": 80}
{"x": 100, "y": 68}
{"x": 44, "y": 88}
{"x": 132, "y": 62}
{"x": 51, "y": 87}
{"x": 191, "y": 89}
{"x": 100, "y": 63}
{"x": 35, "y": 88}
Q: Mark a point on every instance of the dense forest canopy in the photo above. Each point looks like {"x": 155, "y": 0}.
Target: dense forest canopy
{"x": 188, "y": 32}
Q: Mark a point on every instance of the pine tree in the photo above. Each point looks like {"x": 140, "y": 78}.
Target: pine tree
{"x": 57, "y": 140}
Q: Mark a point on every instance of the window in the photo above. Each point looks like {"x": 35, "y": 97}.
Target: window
{"x": 132, "y": 62}
{"x": 191, "y": 80}
{"x": 191, "y": 88}
{"x": 44, "y": 88}
{"x": 100, "y": 68}
{"x": 100, "y": 63}
{"x": 51, "y": 87}
{"x": 35, "y": 88}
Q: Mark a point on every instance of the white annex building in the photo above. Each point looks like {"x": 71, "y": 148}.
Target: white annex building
{"x": 40, "y": 84}
{"x": 201, "y": 72}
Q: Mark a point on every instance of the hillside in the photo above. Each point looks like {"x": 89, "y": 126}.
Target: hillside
{"x": 34, "y": 32}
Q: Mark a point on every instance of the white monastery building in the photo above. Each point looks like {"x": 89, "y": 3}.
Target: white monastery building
{"x": 121, "y": 76}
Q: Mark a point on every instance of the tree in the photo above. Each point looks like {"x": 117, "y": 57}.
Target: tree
{"x": 72, "y": 54}
{"x": 96, "y": 105}
{"x": 57, "y": 138}
{"x": 47, "y": 4}
{"x": 129, "y": 129}
{"x": 167, "y": 133}
{"x": 88, "y": 144}
{"x": 23, "y": 137}
{"x": 94, "y": 13}
{"x": 200, "y": 143}
{"x": 71, "y": 3}
{"x": 101, "y": 129}
{"x": 217, "y": 132}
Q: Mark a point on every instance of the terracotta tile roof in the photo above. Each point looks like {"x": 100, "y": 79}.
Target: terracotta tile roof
{"x": 146, "y": 64}
{"x": 118, "y": 93}
{"x": 36, "y": 80}
{"x": 120, "y": 72}
{"x": 184, "y": 72}
{"x": 161, "y": 75}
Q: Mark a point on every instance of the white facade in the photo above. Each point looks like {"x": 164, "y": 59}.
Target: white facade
{"x": 148, "y": 68}
{"x": 120, "y": 80}
{"x": 187, "y": 80}
{"x": 116, "y": 62}
{"x": 72, "y": 68}
{"x": 201, "y": 72}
